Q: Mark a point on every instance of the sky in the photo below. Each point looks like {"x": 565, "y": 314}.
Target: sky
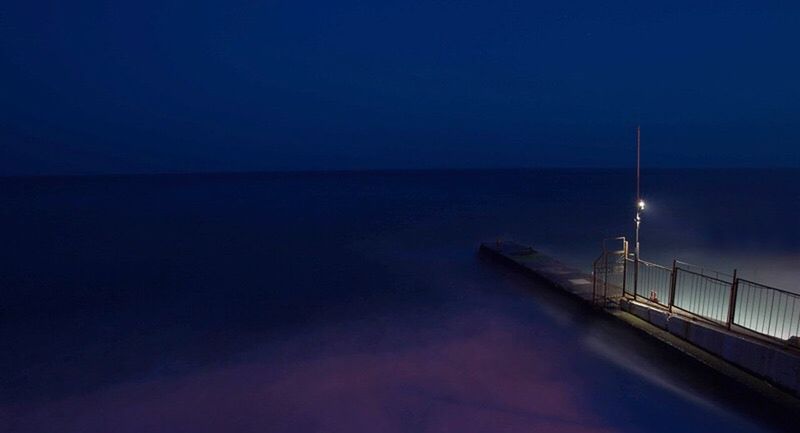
{"x": 176, "y": 86}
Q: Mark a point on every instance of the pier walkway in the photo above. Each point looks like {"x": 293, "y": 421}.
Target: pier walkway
{"x": 556, "y": 273}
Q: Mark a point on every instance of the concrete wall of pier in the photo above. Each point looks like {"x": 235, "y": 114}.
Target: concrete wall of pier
{"x": 771, "y": 362}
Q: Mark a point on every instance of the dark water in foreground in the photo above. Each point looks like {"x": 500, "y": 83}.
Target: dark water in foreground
{"x": 355, "y": 302}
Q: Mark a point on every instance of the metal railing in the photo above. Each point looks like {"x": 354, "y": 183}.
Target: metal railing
{"x": 721, "y": 299}
{"x": 648, "y": 281}
{"x": 702, "y": 295}
{"x": 608, "y": 272}
{"x": 766, "y": 310}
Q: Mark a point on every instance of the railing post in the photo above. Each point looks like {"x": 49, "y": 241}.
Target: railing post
{"x": 732, "y": 301}
{"x": 625, "y": 268}
{"x": 672, "y": 283}
{"x": 624, "y": 272}
{"x": 635, "y": 275}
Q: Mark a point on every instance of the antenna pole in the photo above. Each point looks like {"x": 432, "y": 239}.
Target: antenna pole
{"x": 638, "y": 159}
{"x": 639, "y": 203}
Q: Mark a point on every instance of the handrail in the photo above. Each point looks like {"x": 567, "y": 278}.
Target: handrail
{"x": 766, "y": 287}
{"x": 704, "y": 276}
{"x": 652, "y": 264}
{"x": 702, "y": 269}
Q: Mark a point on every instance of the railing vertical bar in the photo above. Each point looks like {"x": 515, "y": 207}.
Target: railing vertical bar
{"x": 709, "y": 290}
{"x": 788, "y": 322}
{"x": 783, "y": 318}
{"x": 690, "y": 294}
{"x": 653, "y": 283}
{"x": 794, "y": 304}
{"x": 786, "y": 329}
{"x": 732, "y": 301}
{"x": 699, "y": 296}
{"x": 683, "y": 289}
{"x": 780, "y": 316}
{"x": 673, "y": 277}
{"x": 724, "y": 296}
{"x": 656, "y": 287}
{"x": 711, "y": 301}
{"x": 624, "y": 270}
{"x": 718, "y": 303}
{"x": 761, "y": 304}
{"x": 758, "y": 315}
{"x": 767, "y": 309}
{"x": 742, "y": 305}
{"x": 771, "y": 309}
{"x": 791, "y": 320}
{"x": 714, "y": 305}
{"x": 797, "y": 328}
{"x": 777, "y": 312}
{"x": 749, "y": 307}
{"x": 642, "y": 287}
{"x": 756, "y": 306}
{"x": 765, "y": 321}
{"x": 703, "y": 296}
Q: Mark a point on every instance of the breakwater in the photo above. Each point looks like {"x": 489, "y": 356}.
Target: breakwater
{"x": 770, "y": 369}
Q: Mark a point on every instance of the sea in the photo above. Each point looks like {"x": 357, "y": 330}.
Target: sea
{"x": 356, "y": 301}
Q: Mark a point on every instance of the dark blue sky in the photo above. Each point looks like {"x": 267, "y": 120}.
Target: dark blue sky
{"x": 140, "y": 86}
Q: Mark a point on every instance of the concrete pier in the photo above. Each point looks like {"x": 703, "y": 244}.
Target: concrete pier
{"x": 770, "y": 369}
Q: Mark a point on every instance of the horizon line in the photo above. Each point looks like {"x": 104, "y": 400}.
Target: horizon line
{"x": 376, "y": 170}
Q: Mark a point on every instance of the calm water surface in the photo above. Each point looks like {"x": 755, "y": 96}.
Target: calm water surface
{"x": 356, "y": 302}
